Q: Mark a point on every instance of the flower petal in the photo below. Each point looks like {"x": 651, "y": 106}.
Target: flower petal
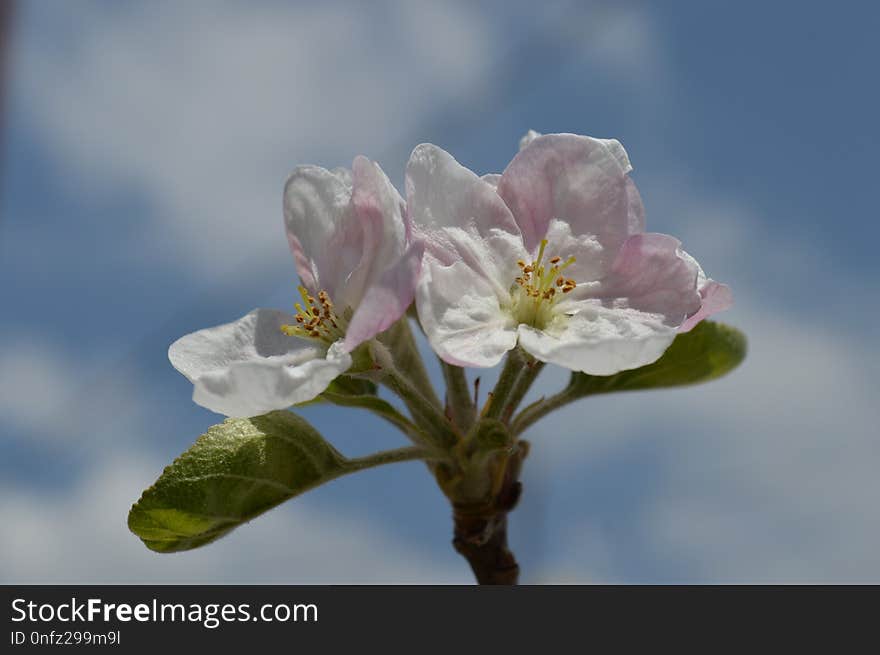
{"x": 249, "y": 367}
{"x": 577, "y": 179}
{"x": 461, "y": 219}
{"x": 600, "y": 340}
{"x": 381, "y": 212}
{"x": 589, "y": 264}
{"x": 442, "y": 194}
{"x": 325, "y": 236}
{"x": 386, "y": 300}
{"x": 628, "y": 318}
{"x": 650, "y": 274}
{"x": 344, "y": 228}
{"x": 492, "y": 179}
{"x": 716, "y": 297}
{"x": 461, "y": 314}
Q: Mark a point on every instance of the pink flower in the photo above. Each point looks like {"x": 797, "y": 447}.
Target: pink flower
{"x": 358, "y": 266}
{"x": 551, "y": 255}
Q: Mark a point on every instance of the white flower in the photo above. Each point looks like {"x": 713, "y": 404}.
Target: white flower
{"x": 358, "y": 266}
{"x": 551, "y": 255}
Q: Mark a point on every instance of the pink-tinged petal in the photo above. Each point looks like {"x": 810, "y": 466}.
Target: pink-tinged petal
{"x": 650, "y": 274}
{"x": 380, "y": 212}
{"x": 249, "y": 367}
{"x": 600, "y": 340}
{"x": 325, "y": 236}
{"x": 716, "y": 297}
{"x": 462, "y": 315}
{"x": 376, "y": 200}
{"x": 386, "y": 300}
{"x": 442, "y": 195}
{"x": 577, "y": 179}
{"x": 344, "y": 228}
{"x": 636, "y": 211}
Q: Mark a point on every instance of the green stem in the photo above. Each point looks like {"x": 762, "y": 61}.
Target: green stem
{"x": 381, "y": 409}
{"x": 425, "y": 413}
{"x": 540, "y": 408}
{"x": 532, "y": 369}
{"x": 405, "y": 454}
{"x": 399, "y": 340}
{"x": 513, "y": 366}
{"x": 459, "y": 402}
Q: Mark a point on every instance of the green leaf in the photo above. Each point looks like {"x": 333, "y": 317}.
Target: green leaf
{"x": 234, "y": 472}
{"x": 351, "y": 386}
{"x": 707, "y": 352}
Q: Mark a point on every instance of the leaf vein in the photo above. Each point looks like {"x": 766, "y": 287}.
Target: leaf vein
{"x": 237, "y": 476}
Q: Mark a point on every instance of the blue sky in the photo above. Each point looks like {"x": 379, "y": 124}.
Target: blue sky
{"x": 144, "y": 150}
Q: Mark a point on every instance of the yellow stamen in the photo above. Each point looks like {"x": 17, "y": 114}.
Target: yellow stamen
{"x": 316, "y": 319}
{"x": 535, "y": 291}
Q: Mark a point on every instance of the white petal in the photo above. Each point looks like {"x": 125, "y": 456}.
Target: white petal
{"x": 442, "y": 195}
{"x": 249, "y": 367}
{"x": 325, "y": 236}
{"x": 381, "y": 211}
{"x": 590, "y": 262}
{"x": 386, "y": 300}
{"x": 600, "y": 340}
{"x": 462, "y": 315}
{"x": 577, "y": 179}
{"x": 345, "y": 228}
{"x": 491, "y": 178}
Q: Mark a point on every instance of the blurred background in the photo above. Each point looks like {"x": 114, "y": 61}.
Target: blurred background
{"x": 144, "y": 149}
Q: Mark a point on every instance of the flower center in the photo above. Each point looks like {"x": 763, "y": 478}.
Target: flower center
{"x": 538, "y": 288}
{"x": 316, "y": 319}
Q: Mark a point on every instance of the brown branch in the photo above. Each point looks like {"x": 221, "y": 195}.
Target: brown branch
{"x": 484, "y": 545}
{"x": 481, "y": 533}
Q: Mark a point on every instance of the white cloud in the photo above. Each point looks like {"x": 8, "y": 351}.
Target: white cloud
{"x": 202, "y": 109}
{"x": 582, "y": 554}
{"x": 786, "y": 466}
{"x": 34, "y": 376}
{"x": 624, "y": 41}
{"x": 43, "y": 395}
{"x": 81, "y": 537}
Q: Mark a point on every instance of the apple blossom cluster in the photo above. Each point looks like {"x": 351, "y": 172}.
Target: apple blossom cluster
{"x": 550, "y": 257}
